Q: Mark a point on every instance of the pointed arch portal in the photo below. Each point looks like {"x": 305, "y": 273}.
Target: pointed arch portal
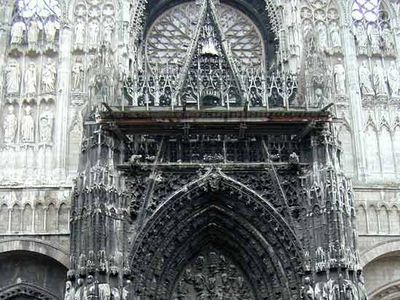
{"x": 216, "y": 238}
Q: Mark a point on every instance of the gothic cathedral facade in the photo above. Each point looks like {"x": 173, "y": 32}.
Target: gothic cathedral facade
{"x": 203, "y": 149}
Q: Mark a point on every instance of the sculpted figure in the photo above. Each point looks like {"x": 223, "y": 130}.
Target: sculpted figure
{"x": 361, "y": 38}
{"x": 307, "y": 291}
{"x": 365, "y": 80}
{"x": 362, "y": 291}
{"x": 394, "y": 79}
{"x": 77, "y": 75}
{"x": 10, "y": 125}
{"x": 340, "y": 79}
{"x": 375, "y": 38}
{"x": 104, "y": 291}
{"x": 79, "y": 290}
{"x": 13, "y": 77}
{"x": 79, "y": 34}
{"x": 49, "y": 76}
{"x": 335, "y": 36}
{"x": 33, "y": 34}
{"x": 17, "y": 32}
{"x": 387, "y": 40}
{"x": 50, "y": 30}
{"x": 46, "y": 125}
{"x": 322, "y": 36}
{"x": 27, "y": 126}
{"x": 115, "y": 294}
{"x": 379, "y": 79}
{"x": 93, "y": 33}
{"x": 90, "y": 290}
{"x": 69, "y": 291}
{"x": 108, "y": 30}
{"x": 30, "y": 79}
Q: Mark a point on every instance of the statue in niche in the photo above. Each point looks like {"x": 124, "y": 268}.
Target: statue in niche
{"x": 49, "y": 76}
{"x": 33, "y": 34}
{"x": 79, "y": 34}
{"x": 13, "y": 77}
{"x": 108, "y": 30}
{"x": 361, "y": 38}
{"x": 322, "y": 36}
{"x": 362, "y": 291}
{"x": 30, "y": 79}
{"x": 10, "y": 125}
{"x": 365, "y": 79}
{"x": 307, "y": 291}
{"x": 379, "y": 79}
{"x": 77, "y": 75}
{"x": 104, "y": 291}
{"x": 46, "y": 125}
{"x": 93, "y": 33}
{"x": 50, "y": 30}
{"x": 320, "y": 99}
{"x": 69, "y": 291}
{"x": 79, "y": 290}
{"x": 335, "y": 36}
{"x": 17, "y": 32}
{"x": 27, "y": 126}
{"x": 90, "y": 291}
{"x": 340, "y": 79}
{"x": 387, "y": 40}
{"x": 394, "y": 79}
{"x": 375, "y": 38}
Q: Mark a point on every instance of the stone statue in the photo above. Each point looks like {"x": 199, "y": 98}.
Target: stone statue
{"x": 365, "y": 79}
{"x": 50, "y": 30}
{"x": 108, "y": 30}
{"x": 307, "y": 291}
{"x": 387, "y": 40}
{"x": 46, "y": 125}
{"x": 335, "y": 36}
{"x": 93, "y": 33}
{"x": 79, "y": 290}
{"x": 379, "y": 79}
{"x": 27, "y": 126}
{"x": 361, "y": 38}
{"x": 322, "y": 36}
{"x": 30, "y": 79}
{"x": 320, "y": 99}
{"x": 362, "y": 291}
{"x": 80, "y": 32}
{"x": 17, "y": 32}
{"x": 10, "y": 125}
{"x": 13, "y": 77}
{"x": 77, "y": 75}
{"x": 49, "y": 76}
{"x": 340, "y": 79}
{"x": 69, "y": 291}
{"x": 33, "y": 34}
{"x": 394, "y": 79}
{"x": 375, "y": 38}
{"x": 115, "y": 294}
{"x": 90, "y": 290}
{"x": 104, "y": 291}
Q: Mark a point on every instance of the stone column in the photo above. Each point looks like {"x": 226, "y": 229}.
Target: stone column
{"x": 354, "y": 94}
{"x": 63, "y": 93}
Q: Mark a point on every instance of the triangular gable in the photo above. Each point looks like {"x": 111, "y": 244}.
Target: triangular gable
{"x": 208, "y": 77}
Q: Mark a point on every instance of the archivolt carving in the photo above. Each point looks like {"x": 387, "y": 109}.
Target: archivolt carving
{"x": 26, "y": 289}
{"x": 218, "y": 211}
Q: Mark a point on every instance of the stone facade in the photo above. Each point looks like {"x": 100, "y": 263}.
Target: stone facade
{"x": 90, "y": 186}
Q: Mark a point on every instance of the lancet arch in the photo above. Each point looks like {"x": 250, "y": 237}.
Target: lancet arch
{"x": 217, "y": 215}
